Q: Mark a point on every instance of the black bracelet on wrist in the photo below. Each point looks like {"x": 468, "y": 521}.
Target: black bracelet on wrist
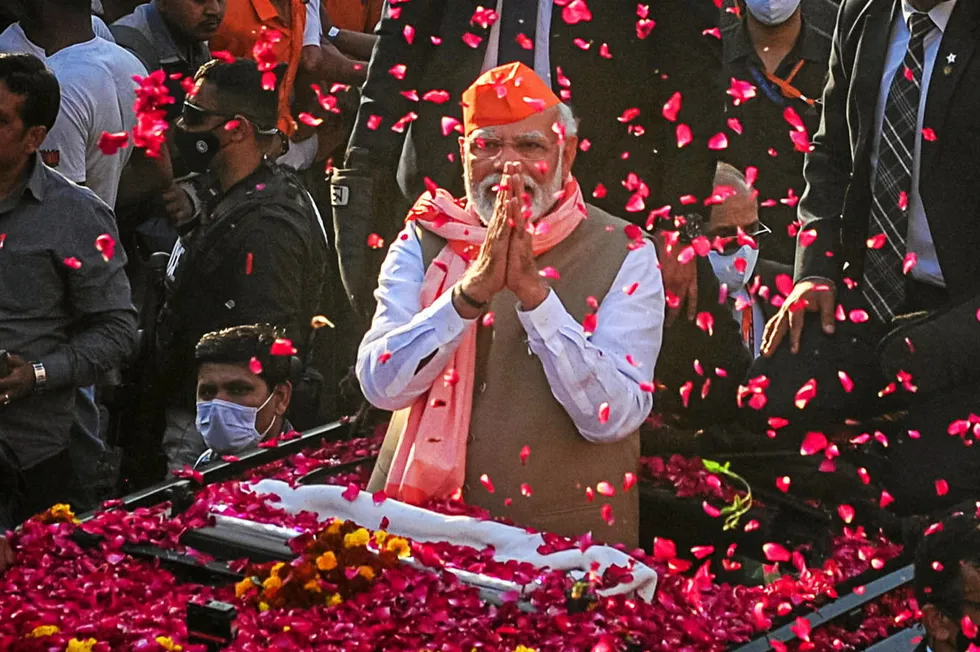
{"x": 473, "y": 303}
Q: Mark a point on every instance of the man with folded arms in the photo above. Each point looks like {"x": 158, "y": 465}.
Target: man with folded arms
{"x": 517, "y": 330}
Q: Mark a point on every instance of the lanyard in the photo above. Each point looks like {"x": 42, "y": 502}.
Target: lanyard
{"x": 786, "y": 87}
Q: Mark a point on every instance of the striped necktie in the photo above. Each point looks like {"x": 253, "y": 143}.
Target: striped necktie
{"x": 884, "y": 280}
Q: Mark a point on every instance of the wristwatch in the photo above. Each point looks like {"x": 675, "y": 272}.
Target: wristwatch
{"x": 333, "y": 33}
{"x": 40, "y": 377}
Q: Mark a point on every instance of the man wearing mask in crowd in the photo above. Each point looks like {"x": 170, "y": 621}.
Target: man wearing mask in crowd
{"x": 472, "y": 341}
{"x": 947, "y": 585}
{"x": 774, "y": 48}
{"x": 738, "y": 236}
{"x": 171, "y": 35}
{"x": 65, "y": 310}
{"x": 257, "y": 253}
{"x": 243, "y": 390}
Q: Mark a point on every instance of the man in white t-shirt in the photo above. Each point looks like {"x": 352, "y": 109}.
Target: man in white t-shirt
{"x": 97, "y": 90}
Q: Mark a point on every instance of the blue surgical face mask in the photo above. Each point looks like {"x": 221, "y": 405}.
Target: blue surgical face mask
{"x": 725, "y": 270}
{"x": 772, "y": 12}
{"x": 229, "y": 427}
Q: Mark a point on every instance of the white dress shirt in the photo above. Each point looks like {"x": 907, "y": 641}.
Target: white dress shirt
{"x": 584, "y": 372}
{"x": 542, "y": 45}
{"x": 919, "y": 238}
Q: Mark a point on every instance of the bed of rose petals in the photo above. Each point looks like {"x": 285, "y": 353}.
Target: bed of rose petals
{"x": 102, "y": 599}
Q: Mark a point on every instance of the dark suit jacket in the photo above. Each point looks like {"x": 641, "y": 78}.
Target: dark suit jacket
{"x": 602, "y": 89}
{"x": 838, "y": 197}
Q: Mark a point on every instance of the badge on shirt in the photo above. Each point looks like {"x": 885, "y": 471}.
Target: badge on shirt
{"x": 51, "y": 157}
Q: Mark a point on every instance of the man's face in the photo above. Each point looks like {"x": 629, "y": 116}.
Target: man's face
{"x": 738, "y": 211}
{"x": 545, "y": 159}
{"x": 17, "y": 143}
{"x": 196, "y": 20}
{"x": 235, "y": 383}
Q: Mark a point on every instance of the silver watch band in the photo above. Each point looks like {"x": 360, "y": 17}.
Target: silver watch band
{"x": 40, "y": 377}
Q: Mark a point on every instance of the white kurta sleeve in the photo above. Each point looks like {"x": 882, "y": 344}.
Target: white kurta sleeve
{"x": 406, "y": 348}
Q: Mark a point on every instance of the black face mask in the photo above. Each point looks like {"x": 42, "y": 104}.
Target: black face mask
{"x": 197, "y": 149}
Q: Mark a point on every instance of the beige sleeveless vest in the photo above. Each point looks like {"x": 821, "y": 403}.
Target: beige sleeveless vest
{"x": 513, "y": 407}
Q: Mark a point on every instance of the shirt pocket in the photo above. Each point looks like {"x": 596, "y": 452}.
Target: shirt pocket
{"x": 30, "y": 284}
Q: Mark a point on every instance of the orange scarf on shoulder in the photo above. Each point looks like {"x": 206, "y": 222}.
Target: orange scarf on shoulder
{"x": 430, "y": 460}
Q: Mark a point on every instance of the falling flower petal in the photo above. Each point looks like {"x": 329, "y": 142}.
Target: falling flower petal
{"x": 706, "y": 322}
{"x": 549, "y": 272}
{"x": 106, "y": 245}
{"x": 351, "y": 492}
{"x": 775, "y": 552}
{"x": 604, "y": 413}
{"x": 805, "y": 394}
{"x": 813, "y": 443}
{"x": 110, "y": 144}
{"x": 845, "y": 381}
{"x": 605, "y": 489}
{"x": 72, "y": 262}
{"x": 718, "y": 141}
{"x": 629, "y": 479}
{"x": 942, "y": 487}
{"x": 783, "y": 483}
{"x": 741, "y": 91}
{"x": 576, "y": 12}
{"x": 487, "y": 483}
{"x": 607, "y": 514}
{"x": 911, "y": 260}
{"x": 684, "y": 135}
{"x": 664, "y": 549}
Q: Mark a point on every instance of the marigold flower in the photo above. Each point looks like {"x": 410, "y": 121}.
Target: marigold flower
{"x": 272, "y": 583}
{"x": 75, "y": 645}
{"x": 327, "y": 561}
{"x": 263, "y": 606}
{"x": 312, "y": 586}
{"x": 380, "y": 537}
{"x": 399, "y": 546}
{"x": 366, "y": 572}
{"x": 44, "y": 630}
{"x": 167, "y": 643}
{"x": 357, "y": 538}
{"x": 334, "y": 528}
{"x": 334, "y": 600}
{"x": 241, "y": 588}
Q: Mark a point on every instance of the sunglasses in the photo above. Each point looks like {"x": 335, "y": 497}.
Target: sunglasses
{"x": 194, "y": 116}
{"x": 730, "y": 243}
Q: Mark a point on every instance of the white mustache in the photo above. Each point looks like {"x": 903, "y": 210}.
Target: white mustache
{"x": 491, "y": 185}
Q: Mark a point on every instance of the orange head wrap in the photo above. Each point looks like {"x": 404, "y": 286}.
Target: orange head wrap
{"x": 504, "y": 95}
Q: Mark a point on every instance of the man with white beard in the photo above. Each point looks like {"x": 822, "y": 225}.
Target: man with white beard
{"x": 517, "y": 330}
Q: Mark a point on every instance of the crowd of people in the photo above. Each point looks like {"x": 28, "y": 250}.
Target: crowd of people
{"x": 670, "y": 226}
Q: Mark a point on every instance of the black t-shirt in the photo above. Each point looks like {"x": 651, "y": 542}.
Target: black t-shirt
{"x": 765, "y": 142}
{"x": 261, "y": 258}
